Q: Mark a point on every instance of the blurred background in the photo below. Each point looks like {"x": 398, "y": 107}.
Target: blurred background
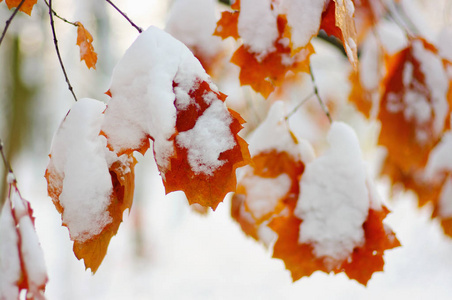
{"x": 163, "y": 249}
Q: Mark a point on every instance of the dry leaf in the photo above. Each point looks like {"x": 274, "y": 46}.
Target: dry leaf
{"x": 84, "y": 41}
{"x": 26, "y": 7}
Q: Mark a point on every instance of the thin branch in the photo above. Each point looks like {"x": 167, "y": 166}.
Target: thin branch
{"x": 316, "y": 92}
{"x": 55, "y": 42}
{"x": 299, "y": 105}
{"x": 125, "y": 16}
{"x": 58, "y": 16}
{"x": 8, "y": 22}
{"x": 5, "y": 161}
{"x": 11, "y": 179}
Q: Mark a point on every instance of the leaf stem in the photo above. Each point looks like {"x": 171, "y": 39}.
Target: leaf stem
{"x": 55, "y": 42}
{"x": 316, "y": 92}
{"x": 8, "y": 22}
{"x": 308, "y": 97}
{"x": 125, "y": 16}
{"x": 59, "y": 17}
{"x": 11, "y": 178}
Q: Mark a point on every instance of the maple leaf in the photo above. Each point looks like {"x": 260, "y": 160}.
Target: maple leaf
{"x": 272, "y": 179}
{"x": 338, "y": 20}
{"x": 22, "y": 264}
{"x": 361, "y": 97}
{"x": 84, "y": 41}
{"x": 358, "y": 252}
{"x": 89, "y": 185}
{"x": 265, "y": 70}
{"x": 415, "y": 102}
{"x": 26, "y": 7}
{"x": 176, "y": 105}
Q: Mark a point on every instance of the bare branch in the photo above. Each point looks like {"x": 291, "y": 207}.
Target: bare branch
{"x": 308, "y": 97}
{"x": 59, "y": 17}
{"x": 316, "y": 92}
{"x": 55, "y": 42}
{"x": 125, "y": 16}
{"x": 8, "y": 22}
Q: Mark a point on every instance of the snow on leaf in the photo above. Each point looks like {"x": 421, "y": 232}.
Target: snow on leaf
{"x": 26, "y": 7}
{"x": 271, "y": 181}
{"x": 336, "y": 226}
{"x": 193, "y": 23}
{"x": 84, "y": 41}
{"x": 415, "y": 102}
{"x": 227, "y": 26}
{"x": 89, "y": 185}
{"x": 161, "y": 92}
{"x": 266, "y": 55}
{"x": 22, "y": 265}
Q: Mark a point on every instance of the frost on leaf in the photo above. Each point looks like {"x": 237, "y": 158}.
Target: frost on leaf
{"x": 22, "y": 265}
{"x": 26, "y": 7}
{"x": 270, "y": 183}
{"x": 89, "y": 184}
{"x": 414, "y": 108}
{"x": 266, "y": 55}
{"x": 336, "y": 225}
{"x": 84, "y": 41}
{"x": 161, "y": 92}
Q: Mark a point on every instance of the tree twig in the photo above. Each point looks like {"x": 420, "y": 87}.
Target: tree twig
{"x": 11, "y": 179}
{"x": 8, "y": 22}
{"x": 125, "y": 16}
{"x": 299, "y": 105}
{"x": 59, "y": 17}
{"x": 55, "y": 42}
{"x": 316, "y": 92}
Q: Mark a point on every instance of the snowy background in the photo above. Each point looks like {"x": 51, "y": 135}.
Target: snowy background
{"x": 164, "y": 250}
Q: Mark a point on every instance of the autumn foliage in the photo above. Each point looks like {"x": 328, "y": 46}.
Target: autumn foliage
{"x": 313, "y": 204}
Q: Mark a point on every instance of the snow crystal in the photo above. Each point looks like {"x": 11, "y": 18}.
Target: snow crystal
{"x": 193, "y": 23}
{"x": 334, "y": 198}
{"x": 209, "y": 137}
{"x": 10, "y": 178}
{"x": 257, "y": 25}
{"x": 436, "y": 81}
{"x": 273, "y": 134}
{"x": 9, "y": 255}
{"x": 303, "y": 16}
{"x": 142, "y": 102}
{"x": 78, "y": 154}
{"x": 263, "y": 194}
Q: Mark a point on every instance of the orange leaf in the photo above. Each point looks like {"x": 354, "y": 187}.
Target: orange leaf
{"x": 264, "y": 74}
{"x": 26, "y": 7}
{"x": 344, "y": 20}
{"x": 22, "y": 263}
{"x": 89, "y": 185}
{"x": 227, "y": 26}
{"x": 409, "y": 104}
{"x": 328, "y": 23}
{"x": 84, "y": 41}
{"x": 205, "y": 188}
{"x": 359, "y": 95}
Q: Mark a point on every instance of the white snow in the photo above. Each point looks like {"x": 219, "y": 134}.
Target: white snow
{"x": 334, "y": 198}
{"x": 9, "y": 255}
{"x": 209, "y": 137}
{"x": 78, "y": 155}
{"x": 445, "y": 199}
{"x": 257, "y": 26}
{"x": 303, "y": 16}
{"x": 263, "y": 194}
{"x": 444, "y": 42}
{"x": 193, "y": 23}
{"x": 440, "y": 158}
{"x": 274, "y": 134}
{"x": 436, "y": 81}
{"x": 30, "y": 248}
{"x": 142, "y": 102}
